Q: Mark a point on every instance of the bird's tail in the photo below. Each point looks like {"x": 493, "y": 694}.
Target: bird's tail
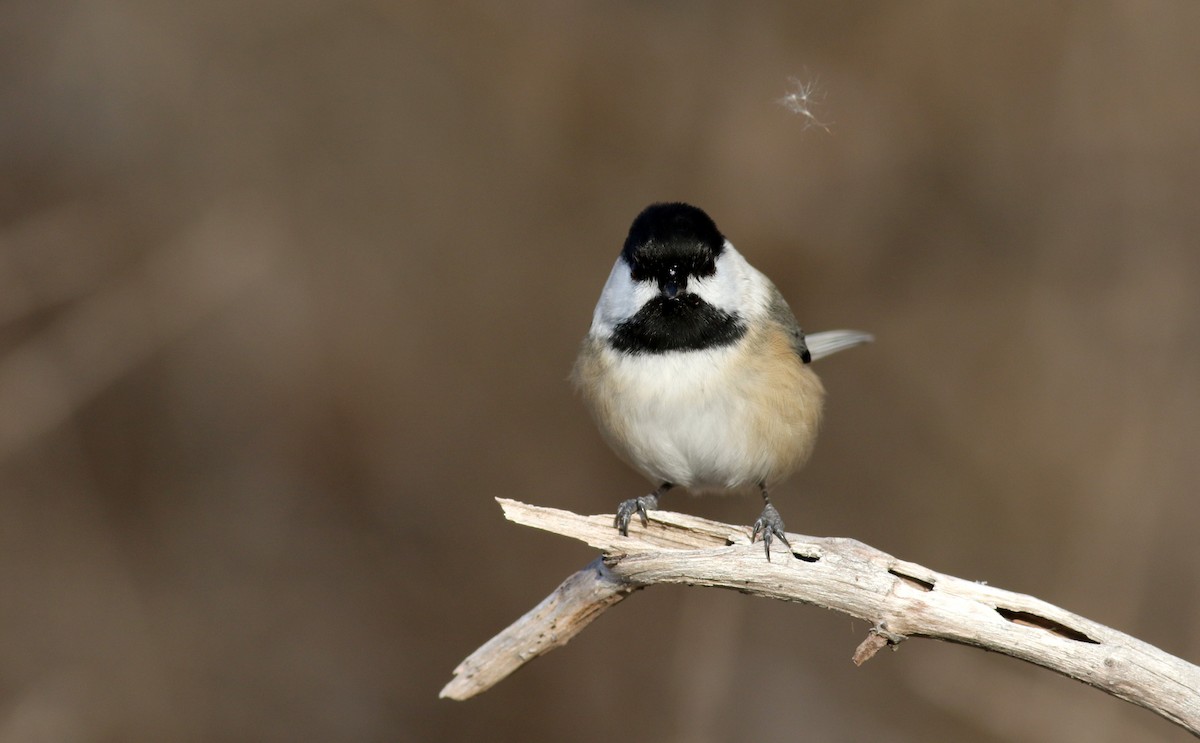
{"x": 829, "y": 342}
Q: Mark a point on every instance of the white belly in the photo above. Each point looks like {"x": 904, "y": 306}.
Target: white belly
{"x": 682, "y": 424}
{"x": 718, "y": 419}
{"x": 686, "y": 418}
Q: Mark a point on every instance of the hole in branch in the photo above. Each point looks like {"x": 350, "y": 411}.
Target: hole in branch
{"x": 806, "y": 558}
{"x": 912, "y": 580}
{"x": 1029, "y": 619}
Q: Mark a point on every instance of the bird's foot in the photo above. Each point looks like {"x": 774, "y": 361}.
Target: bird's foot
{"x": 638, "y": 505}
{"x": 771, "y": 525}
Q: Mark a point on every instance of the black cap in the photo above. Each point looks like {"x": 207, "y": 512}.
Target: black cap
{"x": 672, "y": 235}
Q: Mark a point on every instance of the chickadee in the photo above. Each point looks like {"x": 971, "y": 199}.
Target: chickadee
{"x": 695, "y": 369}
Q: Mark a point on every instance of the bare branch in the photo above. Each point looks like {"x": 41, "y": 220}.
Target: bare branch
{"x": 899, "y": 599}
{"x": 551, "y": 624}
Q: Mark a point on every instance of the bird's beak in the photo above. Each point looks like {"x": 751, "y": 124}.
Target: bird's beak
{"x": 672, "y": 284}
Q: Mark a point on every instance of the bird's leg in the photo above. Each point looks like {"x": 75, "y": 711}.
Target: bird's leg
{"x": 769, "y": 523}
{"x": 639, "y": 506}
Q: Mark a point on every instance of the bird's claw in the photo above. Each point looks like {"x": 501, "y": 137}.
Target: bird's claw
{"x": 770, "y": 525}
{"x": 638, "y": 505}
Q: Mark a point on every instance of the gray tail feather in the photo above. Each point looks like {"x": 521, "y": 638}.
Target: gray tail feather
{"x": 829, "y": 342}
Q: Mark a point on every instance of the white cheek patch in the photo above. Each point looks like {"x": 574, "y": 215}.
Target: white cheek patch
{"x": 735, "y": 287}
{"x": 621, "y": 299}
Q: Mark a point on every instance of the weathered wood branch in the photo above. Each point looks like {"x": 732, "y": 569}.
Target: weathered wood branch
{"x": 899, "y": 599}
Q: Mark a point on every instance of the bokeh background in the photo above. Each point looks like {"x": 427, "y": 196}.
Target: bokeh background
{"x": 289, "y": 292}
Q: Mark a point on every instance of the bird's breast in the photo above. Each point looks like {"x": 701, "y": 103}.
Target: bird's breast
{"x": 713, "y": 419}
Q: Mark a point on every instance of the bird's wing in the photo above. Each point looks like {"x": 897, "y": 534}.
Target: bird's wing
{"x": 782, "y": 314}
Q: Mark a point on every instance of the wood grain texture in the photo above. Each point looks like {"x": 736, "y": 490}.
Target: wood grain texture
{"x": 899, "y": 599}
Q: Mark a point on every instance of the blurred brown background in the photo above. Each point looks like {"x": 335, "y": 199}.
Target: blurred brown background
{"x": 290, "y": 292}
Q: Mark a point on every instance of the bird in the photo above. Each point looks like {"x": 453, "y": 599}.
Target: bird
{"x": 695, "y": 370}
